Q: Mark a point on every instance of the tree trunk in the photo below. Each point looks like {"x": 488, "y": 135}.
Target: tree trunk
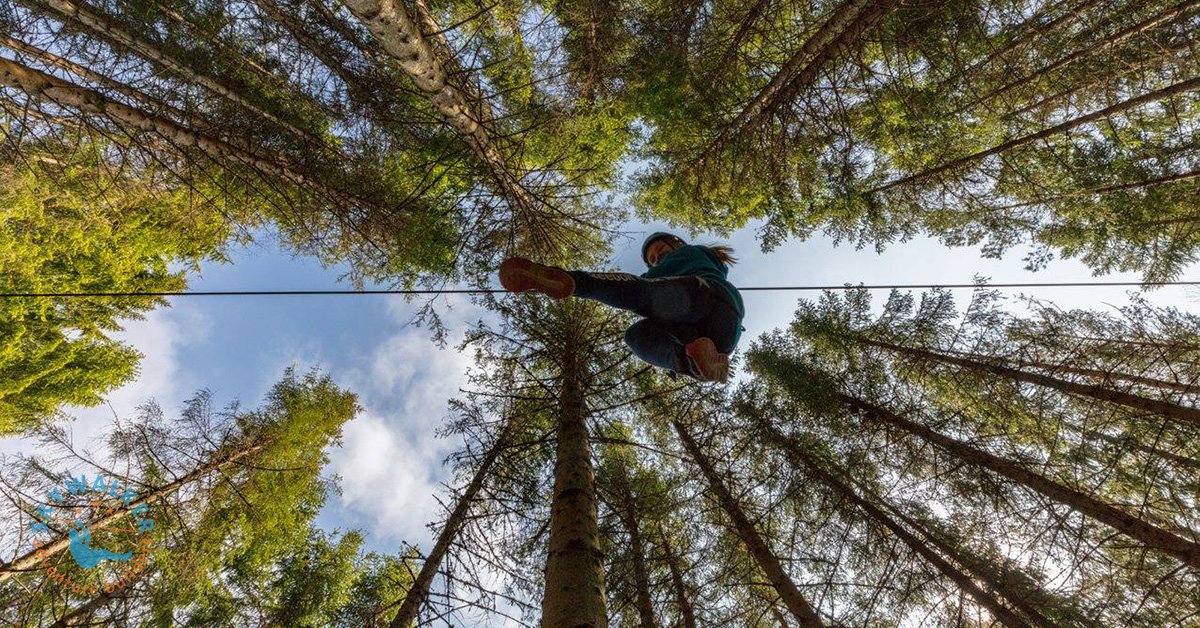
{"x": 419, "y": 590}
{"x": 687, "y": 613}
{"x": 637, "y": 548}
{"x": 1111, "y": 40}
{"x": 574, "y": 593}
{"x": 82, "y": 616}
{"x": 323, "y": 51}
{"x": 401, "y": 37}
{"x": 1156, "y": 61}
{"x": 1182, "y": 414}
{"x": 846, "y": 23}
{"x": 1129, "y": 442}
{"x": 42, "y": 85}
{"x": 797, "y": 455}
{"x": 1125, "y": 105}
{"x": 28, "y": 560}
{"x": 1123, "y": 522}
{"x": 49, "y": 58}
{"x": 766, "y": 560}
{"x": 109, "y": 28}
{"x": 1117, "y": 187}
{"x": 752, "y": 17}
{"x": 1033, "y": 33}
{"x": 1148, "y": 382}
{"x": 245, "y": 57}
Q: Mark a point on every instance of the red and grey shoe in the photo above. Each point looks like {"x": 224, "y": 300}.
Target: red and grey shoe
{"x": 707, "y": 364}
{"x": 518, "y": 274}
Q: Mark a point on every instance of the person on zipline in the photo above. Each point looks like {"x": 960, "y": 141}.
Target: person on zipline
{"x": 693, "y": 314}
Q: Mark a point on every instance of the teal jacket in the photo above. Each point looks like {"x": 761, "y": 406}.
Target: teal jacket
{"x": 693, "y": 259}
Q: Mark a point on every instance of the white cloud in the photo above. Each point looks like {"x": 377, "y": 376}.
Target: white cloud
{"x": 391, "y": 461}
{"x": 387, "y": 479}
{"x": 161, "y": 337}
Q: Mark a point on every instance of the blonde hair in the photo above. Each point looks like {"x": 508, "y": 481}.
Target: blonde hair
{"x": 723, "y": 253}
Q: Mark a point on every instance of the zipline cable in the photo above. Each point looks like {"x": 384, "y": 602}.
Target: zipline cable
{"x": 255, "y": 293}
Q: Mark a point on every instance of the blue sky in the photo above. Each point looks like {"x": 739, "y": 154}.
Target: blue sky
{"x": 390, "y": 462}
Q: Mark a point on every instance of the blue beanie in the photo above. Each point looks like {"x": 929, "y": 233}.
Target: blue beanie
{"x": 658, "y": 235}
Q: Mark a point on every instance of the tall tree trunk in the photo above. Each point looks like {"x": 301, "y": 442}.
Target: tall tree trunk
{"x": 245, "y": 57}
{"x": 191, "y": 120}
{"x": 1074, "y": 12}
{"x": 1182, "y": 414}
{"x": 847, "y": 21}
{"x": 1160, "y": 59}
{"x": 1128, "y": 442}
{"x": 1123, "y": 522}
{"x": 1117, "y": 187}
{"x": 687, "y": 612}
{"x": 109, "y": 28}
{"x": 28, "y": 560}
{"x": 766, "y": 560}
{"x": 574, "y": 593}
{"x": 400, "y": 35}
{"x": 1125, "y": 105}
{"x": 325, "y": 52}
{"x": 1101, "y": 374}
{"x": 42, "y": 85}
{"x": 1111, "y": 40}
{"x": 419, "y": 590}
{"x": 630, "y": 517}
{"x": 82, "y": 616}
{"x": 799, "y": 457}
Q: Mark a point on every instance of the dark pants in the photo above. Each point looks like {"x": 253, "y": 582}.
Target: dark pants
{"x": 678, "y": 310}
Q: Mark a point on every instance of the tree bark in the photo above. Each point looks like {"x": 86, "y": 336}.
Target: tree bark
{"x": 28, "y": 560}
{"x": 678, "y": 586}
{"x": 574, "y": 594}
{"x": 797, "y": 455}
{"x": 375, "y": 91}
{"x": 1123, "y": 522}
{"x": 400, "y": 35}
{"x": 846, "y": 23}
{"x": 766, "y": 560}
{"x": 1148, "y": 382}
{"x": 1125, "y": 105}
{"x": 637, "y": 548}
{"x": 1156, "y": 61}
{"x": 108, "y": 28}
{"x": 1111, "y": 40}
{"x": 81, "y": 616}
{"x": 42, "y": 85}
{"x": 49, "y": 58}
{"x": 407, "y": 615}
{"x": 1182, "y": 414}
{"x": 1033, "y": 33}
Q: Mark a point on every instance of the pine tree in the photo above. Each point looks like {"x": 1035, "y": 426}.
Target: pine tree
{"x": 73, "y": 223}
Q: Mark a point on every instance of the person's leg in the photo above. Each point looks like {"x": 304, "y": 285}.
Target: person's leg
{"x": 672, "y": 299}
{"x": 720, "y": 325}
{"x": 660, "y": 343}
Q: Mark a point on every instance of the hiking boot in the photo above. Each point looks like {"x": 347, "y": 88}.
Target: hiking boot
{"x": 518, "y": 274}
{"x": 706, "y": 363}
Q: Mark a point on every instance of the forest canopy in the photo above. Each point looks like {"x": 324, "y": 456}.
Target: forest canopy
{"x": 913, "y": 460}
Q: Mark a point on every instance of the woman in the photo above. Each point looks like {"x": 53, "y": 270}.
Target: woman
{"x": 692, "y": 313}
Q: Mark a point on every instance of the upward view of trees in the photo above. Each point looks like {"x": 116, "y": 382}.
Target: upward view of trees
{"x": 910, "y": 462}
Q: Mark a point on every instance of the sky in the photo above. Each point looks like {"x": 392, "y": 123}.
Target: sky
{"x": 390, "y": 462}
